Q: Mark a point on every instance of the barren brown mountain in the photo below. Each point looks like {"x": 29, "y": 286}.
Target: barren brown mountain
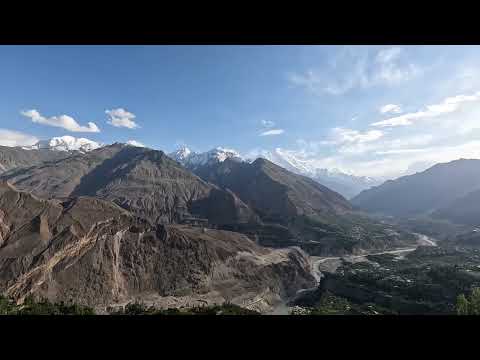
{"x": 93, "y": 252}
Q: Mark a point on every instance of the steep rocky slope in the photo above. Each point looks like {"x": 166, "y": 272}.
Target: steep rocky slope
{"x": 296, "y": 210}
{"x": 273, "y": 191}
{"x": 260, "y": 199}
{"x": 346, "y": 184}
{"x": 14, "y": 157}
{"x": 95, "y": 253}
{"x": 144, "y": 181}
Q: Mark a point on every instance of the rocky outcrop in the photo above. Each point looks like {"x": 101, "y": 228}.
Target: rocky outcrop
{"x": 95, "y": 253}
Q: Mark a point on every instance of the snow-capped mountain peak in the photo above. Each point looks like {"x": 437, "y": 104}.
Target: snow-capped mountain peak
{"x": 66, "y": 143}
{"x": 221, "y": 154}
{"x": 346, "y": 184}
{"x": 193, "y": 159}
{"x": 181, "y": 154}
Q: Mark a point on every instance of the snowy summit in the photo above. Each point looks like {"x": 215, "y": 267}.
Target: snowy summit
{"x": 66, "y": 143}
{"x": 190, "y": 158}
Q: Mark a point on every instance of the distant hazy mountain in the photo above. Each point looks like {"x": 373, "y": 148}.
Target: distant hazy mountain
{"x": 464, "y": 210}
{"x": 424, "y": 192}
{"x": 345, "y": 184}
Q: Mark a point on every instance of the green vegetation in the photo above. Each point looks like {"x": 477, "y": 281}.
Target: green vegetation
{"x": 470, "y": 306}
{"x": 42, "y": 307}
{"x": 345, "y": 234}
{"x": 45, "y": 307}
{"x": 436, "y": 228}
{"x": 429, "y": 280}
{"x": 224, "y": 309}
{"x": 330, "y": 304}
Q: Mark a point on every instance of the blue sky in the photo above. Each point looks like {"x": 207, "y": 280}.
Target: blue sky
{"x": 367, "y": 110}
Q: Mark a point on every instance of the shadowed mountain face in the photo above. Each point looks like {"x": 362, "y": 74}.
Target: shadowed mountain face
{"x": 144, "y": 181}
{"x": 423, "y": 192}
{"x": 296, "y": 210}
{"x": 99, "y": 254}
{"x": 262, "y": 200}
{"x": 465, "y": 210}
{"x": 272, "y": 191}
{"x": 15, "y": 157}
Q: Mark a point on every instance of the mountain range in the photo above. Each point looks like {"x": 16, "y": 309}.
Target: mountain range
{"x": 346, "y": 184}
{"x": 445, "y": 191}
{"x": 66, "y": 143}
{"x": 95, "y": 253}
{"x": 105, "y": 225}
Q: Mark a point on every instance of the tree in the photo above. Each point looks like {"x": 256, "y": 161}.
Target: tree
{"x": 475, "y": 302}
{"x": 470, "y": 306}
{"x": 462, "y": 305}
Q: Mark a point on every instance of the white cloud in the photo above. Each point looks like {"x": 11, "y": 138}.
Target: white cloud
{"x": 135, "y": 143}
{"x": 400, "y": 151}
{"x": 448, "y": 105}
{"x": 390, "y": 108}
{"x": 122, "y": 118}
{"x": 15, "y": 138}
{"x": 340, "y": 136}
{"x": 390, "y": 70}
{"x": 386, "y": 56}
{"x": 268, "y": 124}
{"x": 272, "y": 132}
{"x": 387, "y": 158}
{"x": 354, "y": 68}
{"x": 445, "y": 130}
{"x": 63, "y": 121}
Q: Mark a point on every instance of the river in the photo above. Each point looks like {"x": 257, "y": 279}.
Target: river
{"x": 315, "y": 261}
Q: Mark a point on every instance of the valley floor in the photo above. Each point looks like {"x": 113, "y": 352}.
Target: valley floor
{"x": 321, "y": 265}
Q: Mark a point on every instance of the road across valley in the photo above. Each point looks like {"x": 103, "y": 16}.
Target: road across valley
{"x": 316, "y": 261}
{"x": 424, "y": 240}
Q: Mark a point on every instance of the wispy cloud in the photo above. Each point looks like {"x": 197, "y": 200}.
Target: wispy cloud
{"x": 272, "y": 132}
{"x": 268, "y": 124}
{"x": 351, "y": 69}
{"x": 390, "y": 108}
{"x": 389, "y": 70}
{"x": 63, "y": 121}
{"x": 340, "y": 136}
{"x": 448, "y": 105}
{"x": 16, "y": 138}
{"x": 122, "y": 118}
